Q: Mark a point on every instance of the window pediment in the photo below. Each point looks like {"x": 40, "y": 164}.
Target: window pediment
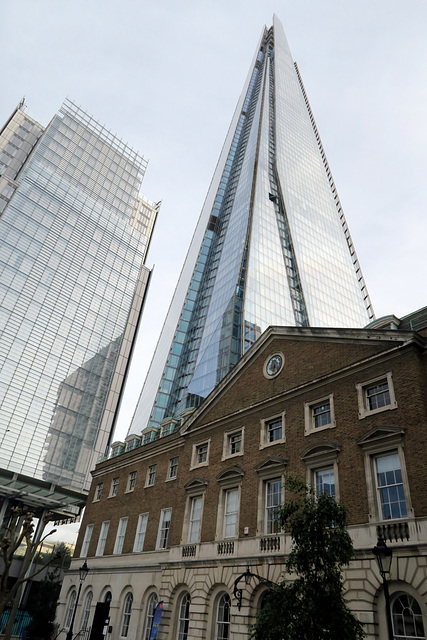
{"x": 275, "y": 464}
{"x": 380, "y": 437}
{"x": 324, "y": 449}
{"x": 231, "y": 474}
{"x": 197, "y": 485}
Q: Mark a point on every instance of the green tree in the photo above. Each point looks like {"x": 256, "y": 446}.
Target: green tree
{"x": 43, "y": 608}
{"x": 311, "y": 606}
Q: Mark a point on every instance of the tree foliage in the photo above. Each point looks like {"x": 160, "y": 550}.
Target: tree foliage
{"x": 310, "y": 605}
{"x": 17, "y": 531}
{"x": 43, "y": 608}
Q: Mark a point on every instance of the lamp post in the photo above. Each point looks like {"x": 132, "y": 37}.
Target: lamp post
{"x": 383, "y": 556}
{"x": 83, "y": 571}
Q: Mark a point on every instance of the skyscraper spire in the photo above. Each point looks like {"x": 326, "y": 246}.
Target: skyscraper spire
{"x": 271, "y": 247}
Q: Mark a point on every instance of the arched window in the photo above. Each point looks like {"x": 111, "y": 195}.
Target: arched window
{"x": 127, "y": 611}
{"x": 151, "y": 606}
{"x": 222, "y": 627}
{"x": 70, "y": 610}
{"x": 183, "y": 617}
{"x": 108, "y": 597}
{"x": 86, "y": 610}
{"x": 407, "y": 618}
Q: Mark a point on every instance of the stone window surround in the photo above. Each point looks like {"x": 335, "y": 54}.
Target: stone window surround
{"x": 271, "y": 468}
{"x": 227, "y": 442}
{"x": 309, "y": 415}
{"x": 264, "y": 430}
{"x": 194, "y": 462}
{"x": 361, "y": 388}
{"x": 323, "y": 455}
{"x": 382, "y": 441}
{"x": 230, "y": 478}
{"x": 194, "y": 489}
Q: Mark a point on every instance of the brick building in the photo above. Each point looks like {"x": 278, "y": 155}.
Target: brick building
{"x": 178, "y": 515}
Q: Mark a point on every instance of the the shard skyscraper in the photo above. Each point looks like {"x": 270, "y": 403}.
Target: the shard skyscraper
{"x": 271, "y": 247}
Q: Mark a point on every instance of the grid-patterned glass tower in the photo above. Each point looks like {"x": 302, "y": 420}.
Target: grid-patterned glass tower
{"x": 271, "y": 247}
{"x": 73, "y": 240}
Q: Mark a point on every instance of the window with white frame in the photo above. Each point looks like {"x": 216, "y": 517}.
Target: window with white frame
{"x": 164, "y": 526}
{"x": 391, "y": 494}
{"x": 151, "y": 475}
{"x": 233, "y": 443}
{"x": 222, "y": 625}
{"x": 86, "y": 611}
{"x": 70, "y": 609}
{"x": 376, "y": 395}
{"x": 231, "y": 513}
{"x": 86, "y": 541}
{"x": 120, "y": 536}
{"x": 131, "y": 481}
{"x": 173, "y": 468}
{"x": 126, "y": 615}
{"x": 273, "y": 502}
{"x": 386, "y": 477}
{"x": 407, "y": 618}
{"x": 195, "y": 519}
{"x": 324, "y": 481}
{"x": 151, "y": 607}
{"x": 98, "y": 491}
{"x": 230, "y": 481}
{"x": 141, "y": 528}
{"x": 319, "y": 415}
{"x": 200, "y": 457}
{"x": 102, "y": 538}
{"x": 183, "y": 617}
{"x": 114, "y": 487}
{"x": 272, "y": 431}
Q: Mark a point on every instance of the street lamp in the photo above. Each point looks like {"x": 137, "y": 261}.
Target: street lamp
{"x": 383, "y": 556}
{"x": 83, "y": 571}
{"x": 246, "y": 576}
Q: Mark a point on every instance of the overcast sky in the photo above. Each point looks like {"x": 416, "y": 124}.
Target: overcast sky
{"x": 165, "y": 76}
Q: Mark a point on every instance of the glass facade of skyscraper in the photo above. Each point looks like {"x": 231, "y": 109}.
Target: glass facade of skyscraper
{"x": 73, "y": 239}
{"x": 271, "y": 247}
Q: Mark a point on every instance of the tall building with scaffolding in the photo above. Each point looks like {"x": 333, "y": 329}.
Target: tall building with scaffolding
{"x": 74, "y": 235}
{"x": 271, "y": 247}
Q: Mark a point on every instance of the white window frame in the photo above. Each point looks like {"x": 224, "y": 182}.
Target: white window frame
{"x": 70, "y": 609}
{"x": 228, "y": 437}
{"x": 229, "y": 479}
{"x": 375, "y": 459}
{"x": 230, "y": 515}
{"x": 316, "y": 473}
{"x": 151, "y": 607}
{"x": 320, "y": 457}
{"x": 126, "y": 615}
{"x": 171, "y": 467}
{"x": 114, "y": 487}
{"x": 219, "y": 620}
{"x": 86, "y": 611}
{"x": 102, "y": 538}
{"x": 131, "y": 482}
{"x": 140, "y": 532}
{"x": 362, "y": 398}
{"x": 151, "y": 475}
{"x": 196, "y": 452}
{"x": 183, "y": 616}
{"x": 162, "y": 540}
{"x": 120, "y": 536}
{"x": 195, "y": 525}
{"x": 265, "y": 430}
{"x": 309, "y": 415}
{"x": 86, "y": 541}
{"x": 383, "y": 441}
{"x": 268, "y": 471}
{"x": 278, "y": 480}
{"x": 98, "y": 492}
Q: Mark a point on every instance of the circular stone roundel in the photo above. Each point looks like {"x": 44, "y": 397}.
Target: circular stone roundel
{"x": 273, "y": 365}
